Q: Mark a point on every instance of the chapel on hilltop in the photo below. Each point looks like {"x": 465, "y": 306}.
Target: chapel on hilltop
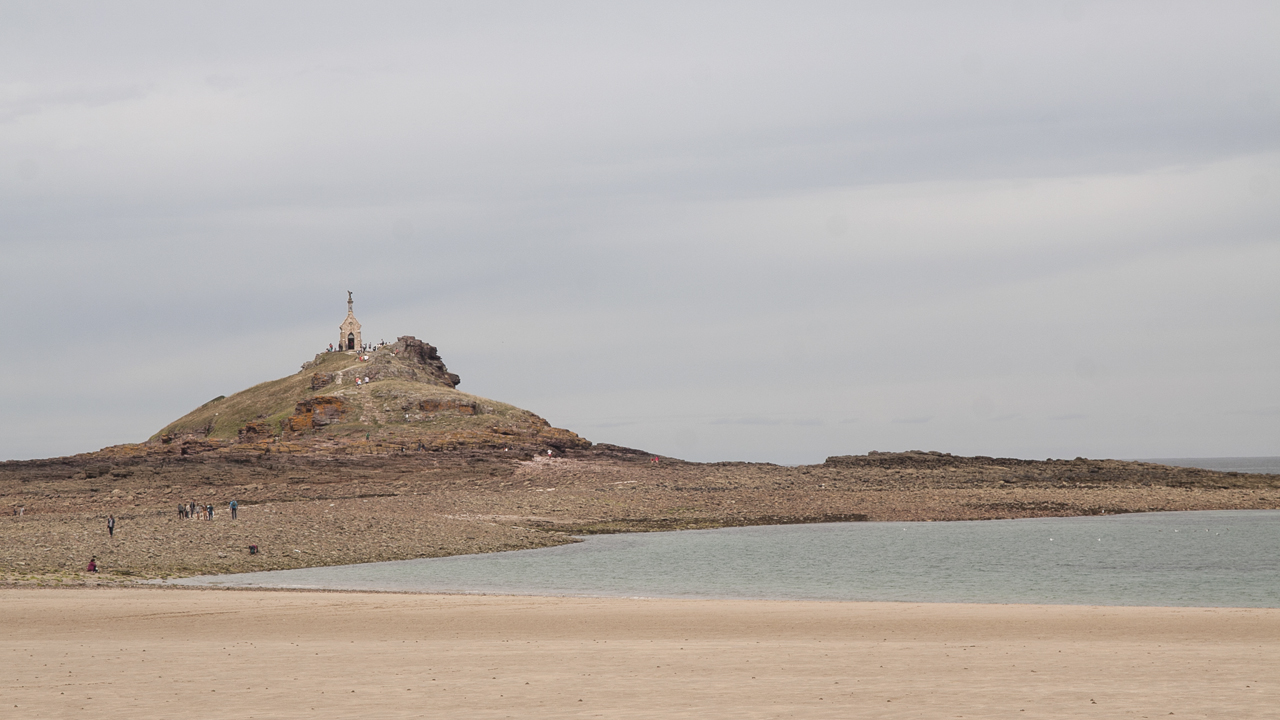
{"x": 349, "y": 330}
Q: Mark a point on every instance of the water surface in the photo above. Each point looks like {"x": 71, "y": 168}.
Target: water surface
{"x": 1217, "y": 558}
{"x": 1266, "y": 465}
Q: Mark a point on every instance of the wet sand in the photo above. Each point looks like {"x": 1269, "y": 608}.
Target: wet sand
{"x": 163, "y": 653}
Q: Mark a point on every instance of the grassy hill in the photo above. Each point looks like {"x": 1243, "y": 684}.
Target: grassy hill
{"x": 400, "y": 394}
{"x": 269, "y": 402}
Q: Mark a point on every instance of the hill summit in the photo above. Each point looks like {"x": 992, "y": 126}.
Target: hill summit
{"x": 390, "y": 398}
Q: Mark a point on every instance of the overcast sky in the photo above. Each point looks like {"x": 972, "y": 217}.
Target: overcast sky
{"x": 719, "y": 231}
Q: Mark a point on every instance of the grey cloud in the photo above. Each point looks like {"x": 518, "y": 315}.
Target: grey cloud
{"x": 17, "y": 104}
{"x": 763, "y": 215}
{"x": 802, "y": 422}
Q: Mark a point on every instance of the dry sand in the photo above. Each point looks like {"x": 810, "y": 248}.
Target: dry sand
{"x": 135, "y": 653}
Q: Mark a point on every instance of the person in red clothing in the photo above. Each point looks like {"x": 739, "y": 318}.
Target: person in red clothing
{"x": 93, "y": 565}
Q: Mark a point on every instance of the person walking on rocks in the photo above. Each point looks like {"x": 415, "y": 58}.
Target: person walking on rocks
{"x": 234, "y": 506}
{"x": 111, "y": 525}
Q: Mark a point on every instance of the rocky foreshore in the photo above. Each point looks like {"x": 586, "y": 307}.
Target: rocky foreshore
{"x": 307, "y": 509}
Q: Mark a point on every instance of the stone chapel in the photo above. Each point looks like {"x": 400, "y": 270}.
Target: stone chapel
{"x": 349, "y": 330}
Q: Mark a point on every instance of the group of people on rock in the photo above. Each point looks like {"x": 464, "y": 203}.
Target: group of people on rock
{"x": 364, "y": 347}
{"x": 193, "y": 511}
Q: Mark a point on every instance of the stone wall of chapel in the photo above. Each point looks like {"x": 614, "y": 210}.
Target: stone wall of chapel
{"x": 349, "y": 326}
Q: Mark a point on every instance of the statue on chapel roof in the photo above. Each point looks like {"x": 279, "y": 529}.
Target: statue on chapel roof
{"x": 349, "y": 330}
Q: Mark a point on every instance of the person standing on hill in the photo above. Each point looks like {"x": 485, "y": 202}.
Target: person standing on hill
{"x": 234, "y": 506}
{"x": 111, "y": 525}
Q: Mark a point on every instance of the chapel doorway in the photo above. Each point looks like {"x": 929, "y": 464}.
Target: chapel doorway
{"x": 351, "y": 341}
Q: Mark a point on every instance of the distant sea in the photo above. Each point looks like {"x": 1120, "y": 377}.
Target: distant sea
{"x": 1209, "y": 558}
{"x": 1226, "y": 464}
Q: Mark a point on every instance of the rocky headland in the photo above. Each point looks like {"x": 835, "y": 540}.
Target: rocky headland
{"x": 377, "y": 456}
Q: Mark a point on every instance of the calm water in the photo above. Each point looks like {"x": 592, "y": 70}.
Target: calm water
{"x": 1218, "y": 558}
{"x": 1226, "y": 464}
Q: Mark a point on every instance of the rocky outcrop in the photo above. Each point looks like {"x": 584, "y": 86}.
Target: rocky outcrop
{"x": 909, "y": 459}
{"x": 539, "y": 432}
{"x": 421, "y": 359}
{"x": 562, "y": 439}
{"x": 254, "y": 432}
{"x": 408, "y": 358}
{"x": 462, "y": 407}
{"x": 315, "y": 413}
{"x": 912, "y": 465}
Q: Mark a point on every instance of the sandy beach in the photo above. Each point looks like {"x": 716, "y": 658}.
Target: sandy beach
{"x": 163, "y": 653}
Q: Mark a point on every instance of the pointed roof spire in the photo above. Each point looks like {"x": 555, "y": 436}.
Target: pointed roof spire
{"x": 349, "y": 330}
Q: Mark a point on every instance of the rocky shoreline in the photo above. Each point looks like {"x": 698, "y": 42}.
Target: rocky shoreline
{"x": 304, "y": 510}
